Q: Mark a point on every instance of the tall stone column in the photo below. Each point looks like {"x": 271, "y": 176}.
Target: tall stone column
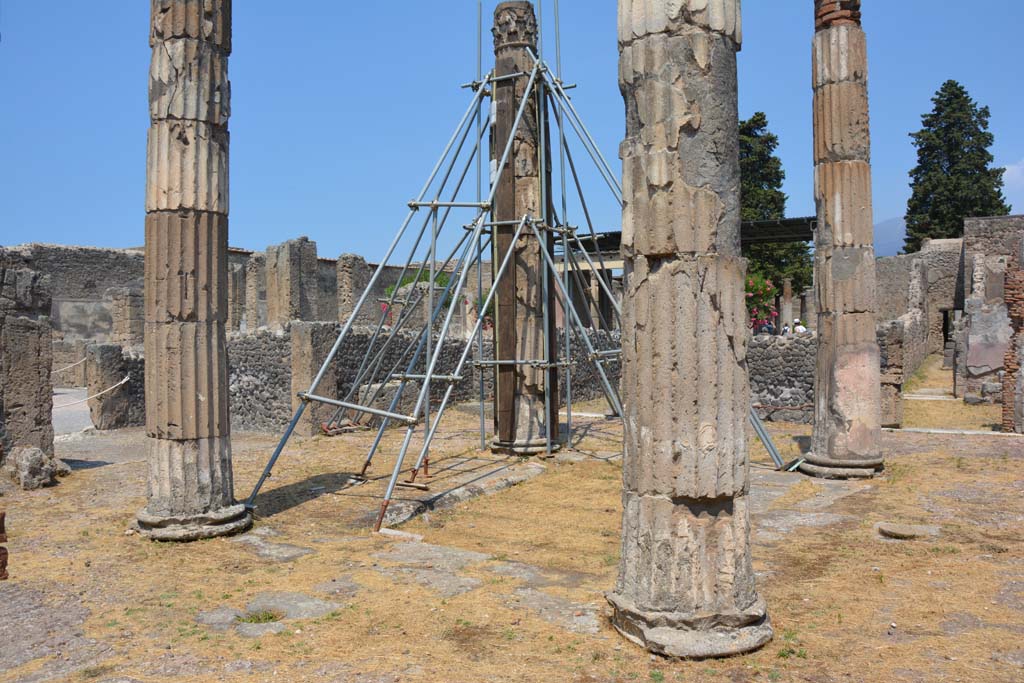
{"x": 847, "y": 392}
{"x": 190, "y": 479}
{"x": 686, "y": 585}
{"x": 520, "y": 423}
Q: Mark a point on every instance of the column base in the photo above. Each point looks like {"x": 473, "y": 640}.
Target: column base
{"x": 692, "y": 636}
{"x": 526, "y": 446}
{"x": 826, "y": 468}
{"x": 224, "y": 522}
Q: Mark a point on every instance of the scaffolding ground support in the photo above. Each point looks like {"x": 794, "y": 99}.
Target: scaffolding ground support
{"x": 453, "y": 239}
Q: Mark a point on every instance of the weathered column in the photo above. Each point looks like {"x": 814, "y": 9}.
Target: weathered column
{"x": 523, "y": 189}
{"x": 686, "y": 585}
{"x": 255, "y": 292}
{"x": 190, "y": 479}
{"x": 236, "y": 297}
{"x": 786, "y": 312}
{"x": 847, "y": 432}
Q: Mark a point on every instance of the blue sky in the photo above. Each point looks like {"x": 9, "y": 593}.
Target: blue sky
{"x": 339, "y": 109}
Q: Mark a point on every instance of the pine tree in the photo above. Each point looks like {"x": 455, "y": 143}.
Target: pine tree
{"x": 762, "y": 198}
{"x": 953, "y": 178}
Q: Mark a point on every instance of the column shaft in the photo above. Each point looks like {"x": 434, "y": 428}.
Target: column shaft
{"x": 847, "y": 419}
{"x": 523, "y": 189}
{"x": 191, "y": 492}
{"x": 686, "y": 585}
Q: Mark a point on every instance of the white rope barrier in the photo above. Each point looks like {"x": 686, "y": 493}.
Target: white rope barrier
{"x": 87, "y": 398}
{"x": 69, "y": 367}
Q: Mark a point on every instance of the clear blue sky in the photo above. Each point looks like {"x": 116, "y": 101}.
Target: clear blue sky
{"x": 340, "y": 108}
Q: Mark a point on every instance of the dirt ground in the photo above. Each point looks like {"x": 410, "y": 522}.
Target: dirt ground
{"x": 509, "y": 586}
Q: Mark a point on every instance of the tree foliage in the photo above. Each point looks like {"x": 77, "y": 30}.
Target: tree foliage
{"x": 953, "y": 178}
{"x": 762, "y": 198}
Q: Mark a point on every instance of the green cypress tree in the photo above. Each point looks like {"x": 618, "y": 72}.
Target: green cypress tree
{"x": 953, "y": 178}
{"x": 762, "y": 198}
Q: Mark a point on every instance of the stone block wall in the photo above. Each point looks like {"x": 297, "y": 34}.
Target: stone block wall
{"x": 782, "y": 376}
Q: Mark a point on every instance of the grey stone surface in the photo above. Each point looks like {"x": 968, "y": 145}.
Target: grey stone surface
{"x": 291, "y": 605}
{"x": 275, "y": 552}
{"x": 578, "y": 618}
{"x": 341, "y": 587}
{"x": 219, "y": 618}
{"x": 259, "y": 630}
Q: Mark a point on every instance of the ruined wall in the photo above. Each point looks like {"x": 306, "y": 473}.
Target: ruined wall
{"x": 782, "y": 376}
{"x": 79, "y": 276}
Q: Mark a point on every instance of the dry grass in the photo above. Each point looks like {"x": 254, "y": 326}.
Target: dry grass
{"x": 833, "y": 591}
{"x": 930, "y": 375}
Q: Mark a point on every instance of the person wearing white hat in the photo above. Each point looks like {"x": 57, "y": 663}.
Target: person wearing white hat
{"x": 798, "y": 327}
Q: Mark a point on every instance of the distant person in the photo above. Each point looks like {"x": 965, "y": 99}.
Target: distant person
{"x": 798, "y": 326}
{"x": 785, "y": 330}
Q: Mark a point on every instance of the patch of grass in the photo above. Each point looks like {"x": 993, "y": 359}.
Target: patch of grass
{"x": 265, "y": 616}
{"x": 91, "y": 672}
{"x": 657, "y": 677}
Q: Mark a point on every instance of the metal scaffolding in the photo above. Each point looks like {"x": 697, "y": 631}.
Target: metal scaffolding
{"x": 436, "y": 261}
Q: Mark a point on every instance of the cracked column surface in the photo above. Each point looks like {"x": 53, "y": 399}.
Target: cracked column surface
{"x": 847, "y": 392}
{"x": 191, "y": 492}
{"x": 686, "y": 585}
{"x": 523, "y": 186}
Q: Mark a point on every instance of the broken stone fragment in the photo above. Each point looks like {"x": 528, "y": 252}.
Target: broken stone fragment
{"x": 906, "y": 532}
{"x": 31, "y": 468}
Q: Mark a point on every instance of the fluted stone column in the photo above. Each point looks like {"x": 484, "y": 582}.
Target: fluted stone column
{"x": 520, "y": 422}
{"x": 686, "y": 585}
{"x": 847, "y": 418}
{"x": 190, "y": 479}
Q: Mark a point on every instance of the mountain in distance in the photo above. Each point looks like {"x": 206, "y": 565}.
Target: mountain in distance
{"x": 889, "y": 236}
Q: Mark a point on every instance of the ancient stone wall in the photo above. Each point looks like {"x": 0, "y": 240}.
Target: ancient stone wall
{"x": 80, "y": 277}
{"x": 893, "y": 274}
{"x": 782, "y": 376}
